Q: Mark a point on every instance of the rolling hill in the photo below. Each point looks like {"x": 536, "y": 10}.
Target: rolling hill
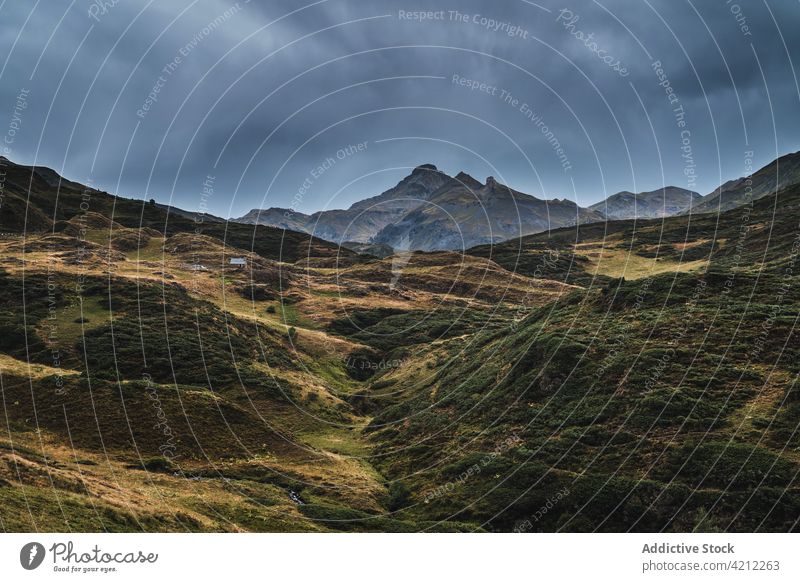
{"x": 662, "y": 396}
{"x": 624, "y": 375}
{"x": 37, "y": 200}
{"x": 775, "y": 176}
{"x": 149, "y": 385}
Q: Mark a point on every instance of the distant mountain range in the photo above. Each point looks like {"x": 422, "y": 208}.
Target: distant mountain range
{"x": 660, "y": 203}
{"x": 363, "y": 220}
{"x": 275, "y": 374}
{"x": 464, "y": 213}
{"x": 429, "y": 210}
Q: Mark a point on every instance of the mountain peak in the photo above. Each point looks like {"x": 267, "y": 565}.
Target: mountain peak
{"x": 664, "y": 201}
{"x": 468, "y": 181}
{"x": 425, "y": 168}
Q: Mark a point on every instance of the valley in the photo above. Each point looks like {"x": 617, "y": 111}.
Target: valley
{"x": 641, "y": 373}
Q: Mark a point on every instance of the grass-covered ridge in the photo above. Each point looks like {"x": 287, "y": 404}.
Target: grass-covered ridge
{"x": 629, "y": 375}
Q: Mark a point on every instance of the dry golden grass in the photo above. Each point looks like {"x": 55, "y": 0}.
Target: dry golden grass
{"x": 15, "y": 367}
{"x": 749, "y": 421}
{"x": 325, "y": 447}
{"x": 325, "y": 456}
{"x": 82, "y": 490}
{"x": 619, "y": 262}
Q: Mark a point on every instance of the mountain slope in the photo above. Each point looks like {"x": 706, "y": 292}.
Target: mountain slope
{"x": 149, "y": 385}
{"x": 430, "y": 211}
{"x": 38, "y": 199}
{"x": 362, "y": 220}
{"x": 464, "y": 213}
{"x": 608, "y": 376}
{"x": 650, "y": 401}
{"x": 276, "y": 217}
{"x": 667, "y": 201}
{"x": 782, "y": 172}
{"x": 594, "y": 254}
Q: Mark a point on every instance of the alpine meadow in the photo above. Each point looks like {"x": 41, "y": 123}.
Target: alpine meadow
{"x": 397, "y": 267}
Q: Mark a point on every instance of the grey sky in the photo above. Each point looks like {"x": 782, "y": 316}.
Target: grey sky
{"x": 266, "y": 91}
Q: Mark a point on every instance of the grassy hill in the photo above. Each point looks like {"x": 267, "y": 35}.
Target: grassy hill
{"x": 664, "y": 400}
{"x": 757, "y": 235}
{"x": 775, "y": 176}
{"x": 628, "y": 375}
{"x": 149, "y": 385}
{"x": 37, "y": 200}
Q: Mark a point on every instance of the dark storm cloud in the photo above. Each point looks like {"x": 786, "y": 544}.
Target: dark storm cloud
{"x": 259, "y": 94}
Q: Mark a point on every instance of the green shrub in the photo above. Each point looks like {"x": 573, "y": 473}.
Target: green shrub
{"x": 399, "y": 496}
{"x": 157, "y": 465}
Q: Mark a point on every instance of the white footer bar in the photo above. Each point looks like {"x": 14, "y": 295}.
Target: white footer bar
{"x": 390, "y": 557}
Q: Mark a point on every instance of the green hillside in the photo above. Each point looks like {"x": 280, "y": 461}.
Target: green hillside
{"x": 629, "y": 375}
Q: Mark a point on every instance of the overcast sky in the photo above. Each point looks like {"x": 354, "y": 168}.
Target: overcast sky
{"x": 258, "y": 94}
